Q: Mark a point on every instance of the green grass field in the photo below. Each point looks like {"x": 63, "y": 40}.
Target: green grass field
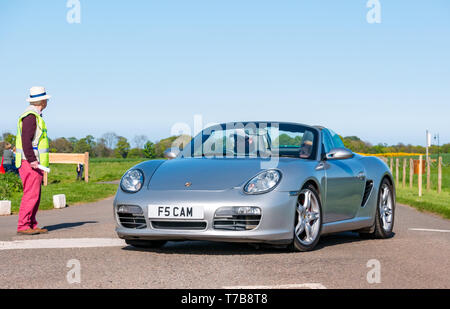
{"x": 429, "y": 202}
{"x": 62, "y": 180}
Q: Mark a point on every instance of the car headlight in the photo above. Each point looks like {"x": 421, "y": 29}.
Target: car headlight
{"x": 263, "y": 182}
{"x": 132, "y": 181}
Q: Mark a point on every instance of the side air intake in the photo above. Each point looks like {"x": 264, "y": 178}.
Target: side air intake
{"x": 367, "y": 190}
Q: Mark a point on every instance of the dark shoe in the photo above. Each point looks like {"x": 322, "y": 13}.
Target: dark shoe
{"x": 40, "y": 231}
{"x": 28, "y": 232}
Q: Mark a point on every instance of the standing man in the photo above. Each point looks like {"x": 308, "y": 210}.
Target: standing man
{"x": 32, "y": 150}
{"x": 8, "y": 159}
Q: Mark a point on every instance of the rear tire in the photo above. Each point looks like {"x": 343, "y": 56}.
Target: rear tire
{"x": 385, "y": 213}
{"x": 146, "y": 243}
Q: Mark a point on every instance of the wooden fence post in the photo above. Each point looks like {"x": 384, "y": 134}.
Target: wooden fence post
{"x": 392, "y": 161}
{"x": 45, "y": 179}
{"x": 411, "y": 173}
{"x": 396, "y": 172}
{"x": 404, "y": 173}
{"x": 86, "y": 167}
{"x": 439, "y": 175}
{"x": 428, "y": 174}
{"x": 420, "y": 175}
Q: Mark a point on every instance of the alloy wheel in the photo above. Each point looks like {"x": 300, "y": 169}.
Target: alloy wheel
{"x": 386, "y": 207}
{"x": 308, "y": 218}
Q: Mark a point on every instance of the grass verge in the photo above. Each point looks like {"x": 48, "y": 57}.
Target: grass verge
{"x": 62, "y": 180}
{"x": 77, "y": 192}
{"x": 429, "y": 202}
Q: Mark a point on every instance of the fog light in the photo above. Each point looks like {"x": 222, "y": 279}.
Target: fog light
{"x": 238, "y": 211}
{"x": 248, "y": 211}
{"x": 126, "y": 209}
{"x": 238, "y": 218}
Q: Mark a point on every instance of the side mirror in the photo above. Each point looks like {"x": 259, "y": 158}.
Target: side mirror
{"x": 172, "y": 153}
{"x": 339, "y": 154}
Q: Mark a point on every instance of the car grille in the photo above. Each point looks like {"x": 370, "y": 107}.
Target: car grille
{"x": 237, "y": 222}
{"x": 179, "y": 225}
{"x": 132, "y": 221}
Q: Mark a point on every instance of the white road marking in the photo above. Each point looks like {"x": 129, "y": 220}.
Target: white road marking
{"x": 313, "y": 286}
{"x": 61, "y": 243}
{"x": 430, "y": 230}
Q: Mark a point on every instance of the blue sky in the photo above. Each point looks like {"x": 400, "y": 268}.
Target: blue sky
{"x": 139, "y": 67}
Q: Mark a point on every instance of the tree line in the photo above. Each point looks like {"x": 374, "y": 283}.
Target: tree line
{"x": 112, "y": 145}
{"x": 108, "y": 145}
{"x": 357, "y": 145}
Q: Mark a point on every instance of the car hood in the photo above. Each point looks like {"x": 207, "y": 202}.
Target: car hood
{"x": 204, "y": 173}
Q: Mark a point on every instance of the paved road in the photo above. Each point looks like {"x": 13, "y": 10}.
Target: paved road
{"x": 412, "y": 259}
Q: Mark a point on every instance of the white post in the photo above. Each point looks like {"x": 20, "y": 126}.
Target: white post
{"x": 420, "y": 175}
{"x": 5, "y": 208}
{"x": 427, "y": 160}
{"x": 59, "y": 201}
{"x": 439, "y": 175}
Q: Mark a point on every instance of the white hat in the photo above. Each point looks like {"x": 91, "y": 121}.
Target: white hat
{"x": 38, "y": 94}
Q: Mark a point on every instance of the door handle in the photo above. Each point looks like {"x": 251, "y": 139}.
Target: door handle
{"x": 361, "y": 176}
{"x": 320, "y": 166}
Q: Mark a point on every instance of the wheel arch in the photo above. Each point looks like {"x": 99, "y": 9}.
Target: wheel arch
{"x": 390, "y": 179}
{"x": 314, "y": 183}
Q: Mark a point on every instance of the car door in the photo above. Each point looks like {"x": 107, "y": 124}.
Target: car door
{"x": 345, "y": 182}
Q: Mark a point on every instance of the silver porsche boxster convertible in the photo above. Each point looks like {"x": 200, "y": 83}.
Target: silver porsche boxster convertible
{"x": 256, "y": 182}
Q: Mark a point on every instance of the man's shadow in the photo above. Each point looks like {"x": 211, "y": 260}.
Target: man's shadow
{"x": 67, "y": 225}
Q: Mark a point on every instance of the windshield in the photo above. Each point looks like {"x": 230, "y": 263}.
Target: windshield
{"x": 254, "y": 140}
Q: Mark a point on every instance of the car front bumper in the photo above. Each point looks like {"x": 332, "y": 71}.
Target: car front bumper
{"x": 275, "y": 226}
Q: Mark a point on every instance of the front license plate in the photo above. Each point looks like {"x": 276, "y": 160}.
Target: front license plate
{"x": 175, "y": 212}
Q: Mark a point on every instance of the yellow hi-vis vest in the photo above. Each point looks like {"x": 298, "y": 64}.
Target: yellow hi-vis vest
{"x": 40, "y": 142}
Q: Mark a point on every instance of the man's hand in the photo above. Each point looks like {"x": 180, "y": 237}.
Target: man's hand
{"x": 35, "y": 165}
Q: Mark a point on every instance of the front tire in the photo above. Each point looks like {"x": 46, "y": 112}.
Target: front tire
{"x": 308, "y": 220}
{"x": 385, "y": 214}
{"x": 146, "y": 243}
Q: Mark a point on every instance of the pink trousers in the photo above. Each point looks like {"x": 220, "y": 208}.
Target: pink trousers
{"x": 31, "y": 180}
